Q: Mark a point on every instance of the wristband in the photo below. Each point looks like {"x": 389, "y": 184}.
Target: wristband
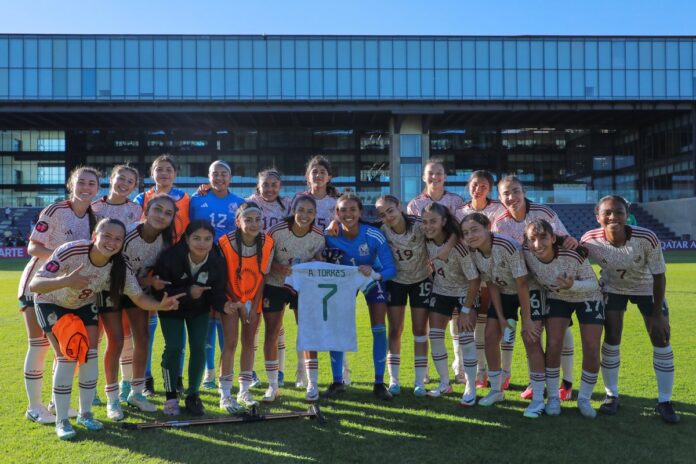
{"x": 465, "y": 310}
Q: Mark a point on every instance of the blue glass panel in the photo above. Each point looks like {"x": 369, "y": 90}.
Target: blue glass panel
{"x": 316, "y": 83}
{"x": 454, "y": 54}
{"x": 577, "y": 54}
{"x": 618, "y": 84}
{"x": 31, "y": 53}
{"x": 287, "y": 53}
{"x": 74, "y": 54}
{"x": 645, "y": 54}
{"x": 246, "y": 58}
{"x": 550, "y": 57}
{"x": 74, "y": 83}
{"x": 273, "y": 82}
{"x": 385, "y": 54}
{"x": 672, "y": 83}
{"x": 427, "y": 82}
{"x": 658, "y": 83}
{"x": 399, "y": 50}
{"x": 60, "y": 83}
{"x": 174, "y": 83}
{"x": 31, "y": 83}
{"x": 274, "y": 55}
{"x": 645, "y": 83}
{"x": 357, "y": 77}
{"x": 231, "y": 81}
{"x": 231, "y": 54}
{"x": 578, "y": 83}
{"x": 371, "y": 54}
{"x": 4, "y": 53}
{"x": 564, "y": 83}
{"x": 685, "y": 56}
{"x": 400, "y": 83}
{"x": 468, "y": 54}
{"x": 202, "y": 53}
{"x": 16, "y": 83}
{"x": 160, "y": 82}
{"x": 188, "y": 59}
{"x": 46, "y": 53}
{"x": 330, "y": 83}
{"x": 217, "y": 53}
{"x": 4, "y": 82}
{"x": 410, "y": 145}
{"x": 441, "y": 54}
{"x": 536, "y": 53}
{"x": 537, "y": 83}
{"x": 604, "y": 83}
{"x": 550, "y": 83}
{"x": 89, "y": 47}
{"x": 118, "y": 86}
{"x": 343, "y": 55}
{"x": 217, "y": 83}
{"x": 441, "y": 85}
{"x": 632, "y": 82}
{"x": 301, "y": 54}
{"x": 315, "y": 54}
{"x": 510, "y": 84}
{"x": 455, "y": 83}
{"x": 343, "y": 81}
{"x": 413, "y": 55}
{"x": 174, "y": 59}
{"x": 60, "y": 53}
{"x": 604, "y": 54}
{"x": 658, "y": 55}
{"x": 686, "y": 88}
{"x": 468, "y": 83}
{"x": 16, "y": 53}
{"x": 45, "y": 83}
{"x": 131, "y": 55}
{"x": 427, "y": 58}
{"x": 288, "y": 83}
{"x": 563, "y": 54}
{"x": 496, "y": 83}
{"x": 482, "y": 55}
{"x": 414, "y": 85}
{"x": 89, "y": 83}
{"x": 302, "y": 83}
{"x": 631, "y": 55}
{"x": 103, "y": 83}
{"x": 145, "y": 52}
{"x": 146, "y": 83}
{"x": 618, "y": 54}
{"x": 482, "y": 89}
{"x": 496, "y": 54}
{"x": 160, "y": 53}
{"x": 509, "y": 54}
{"x": 188, "y": 80}
{"x": 590, "y": 55}
{"x": 202, "y": 83}
{"x": 672, "y": 55}
{"x": 259, "y": 50}
{"x": 132, "y": 83}
{"x": 246, "y": 83}
{"x": 371, "y": 83}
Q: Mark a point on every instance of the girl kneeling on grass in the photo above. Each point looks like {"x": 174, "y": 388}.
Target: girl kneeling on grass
{"x": 66, "y": 286}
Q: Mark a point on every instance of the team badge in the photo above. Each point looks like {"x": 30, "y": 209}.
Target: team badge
{"x": 41, "y": 226}
{"x": 364, "y": 250}
{"x": 202, "y": 278}
{"x": 52, "y": 266}
{"x": 52, "y": 318}
{"x": 232, "y": 207}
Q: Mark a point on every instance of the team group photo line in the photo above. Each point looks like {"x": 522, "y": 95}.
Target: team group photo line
{"x": 210, "y": 267}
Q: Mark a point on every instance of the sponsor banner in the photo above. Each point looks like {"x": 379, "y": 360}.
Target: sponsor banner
{"x": 679, "y": 245}
{"x": 13, "y": 252}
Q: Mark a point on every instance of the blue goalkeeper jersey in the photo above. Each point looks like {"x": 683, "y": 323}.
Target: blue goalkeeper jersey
{"x": 219, "y": 212}
{"x": 370, "y": 248}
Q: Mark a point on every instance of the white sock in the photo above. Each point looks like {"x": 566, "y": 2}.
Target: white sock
{"x": 567, "y": 355}
{"x": 87, "y": 380}
{"x": 301, "y": 363}
{"x": 467, "y": 352}
{"x": 126, "y": 359}
{"x": 245, "y": 379}
{"x": 439, "y": 354}
{"x": 611, "y": 360}
{"x": 457, "y": 363}
{"x": 538, "y": 380}
{"x": 226, "y": 384}
{"x": 420, "y": 364}
{"x": 111, "y": 391}
{"x": 312, "y": 368}
{"x": 394, "y": 367}
{"x": 587, "y": 384}
{"x": 480, "y": 339}
{"x": 209, "y": 375}
{"x": 281, "y": 350}
{"x": 496, "y": 380}
{"x": 272, "y": 373}
{"x": 33, "y": 370}
{"x": 552, "y": 381}
{"x": 138, "y": 386}
{"x": 663, "y": 363}
{"x": 62, "y": 386}
{"x": 506, "y": 354}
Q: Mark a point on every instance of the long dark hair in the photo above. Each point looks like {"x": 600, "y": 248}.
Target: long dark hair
{"x": 117, "y": 276}
{"x": 74, "y": 174}
{"x": 319, "y": 160}
{"x": 271, "y": 172}
{"x": 451, "y": 224}
{"x": 291, "y": 218}
{"x": 237, "y": 236}
{"x": 168, "y": 232}
{"x": 395, "y": 201}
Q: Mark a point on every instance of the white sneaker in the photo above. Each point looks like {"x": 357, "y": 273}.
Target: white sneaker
{"x": 439, "y": 391}
{"x": 229, "y": 404}
{"x": 468, "y": 399}
{"x": 114, "y": 410}
{"x": 246, "y": 399}
{"x": 586, "y": 408}
{"x": 300, "y": 377}
{"x": 534, "y": 410}
{"x": 312, "y": 394}
{"x": 492, "y": 397}
{"x": 52, "y": 409}
{"x": 40, "y": 415}
{"x": 270, "y": 395}
{"x": 553, "y": 406}
{"x": 139, "y": 401}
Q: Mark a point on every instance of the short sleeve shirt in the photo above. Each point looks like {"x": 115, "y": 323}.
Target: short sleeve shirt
{"x": 505, "y": 224}
{"x": 289, "y": 249}
{"x": 503, "y": 266}
{"x": 449, "y": 200}
{"x": 128, "y": 212}
{"x": 451, "y": 276}
{"x": 273, "y": 211}
{"x": 409, "y": 251}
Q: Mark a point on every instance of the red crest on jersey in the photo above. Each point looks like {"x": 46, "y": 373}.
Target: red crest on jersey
{"x": 52, "y": 266}
{"x": 41, "y": 226}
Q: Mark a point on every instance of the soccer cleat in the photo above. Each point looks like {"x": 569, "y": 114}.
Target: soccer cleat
{"x": 534, "y": 410}
{"x": 149, "y": 387}
{"x": 492, "y": 397}
{"x": 482, "y": 380}
{"x": 334, "y": 389}
{"x": 666, "y": 412}
{"x": 209, "y": 385}
{"x": 439, "y": 391}
{"x": 419, "y": 391}
{"x": 96, "y": 401}
{"x": 246, "y": 399}
{"x": 194, "y": 405}
{"x": 281, "y": 378}
{"x": 426, "y": 379}
{"x": 586, "y": 409}
{"x": 52, "y": 409}
{"x": 395, "y": 389}
{"x": 566, "y": 394}
{"x": 528, "y": 393}
{"x": 88, "y": 421}
{"x": 254, "y": 380}
{"x": 65, "y": 430}
{"x": 139, "y": 401}
{"x": 380, "y": 391}
{"x": 114, "y": 410}
{"x": 40, "y": 415}
{"x": 610, "y": 405}
{"x": 312, "y": 394}
{"x": 124, "y": 390}
{"x": 270, "y": 395}
{"x": 553, "y": 407}
{"x": 506, "y": 382}
{"x": 229, "y": 404}
{"x": 468, "y": 400}
{"x": 171, "y": 407}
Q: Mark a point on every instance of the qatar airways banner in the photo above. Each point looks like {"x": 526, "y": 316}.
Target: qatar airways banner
{"x": 13, "y": 252}
{"x": 679, "y": 245}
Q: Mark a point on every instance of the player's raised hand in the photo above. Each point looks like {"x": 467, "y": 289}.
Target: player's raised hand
{"x": 75, "y": 279}
{"x": 202, "y": 190}
{"x": 170, "y": 303}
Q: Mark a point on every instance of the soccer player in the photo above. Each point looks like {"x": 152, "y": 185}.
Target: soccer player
{"x": 116, "y": 204}
{"x": 571, "y": 286}
{"x": 455, "y": 287}
{"x": 519, "y": 211}
{"x": 633, "y": 269}
{"x": 61, "y": 222}
{"x": 364, "y": 246}
{"x": 67, "y": 284}
{"x": 500, "y": 262}
{"x": 296, "y": 240}
{"x": 249, "y": 254}
{"x": 195, "y": 268}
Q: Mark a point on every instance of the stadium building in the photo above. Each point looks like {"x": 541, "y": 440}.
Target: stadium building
{"x": 575, "y": 117}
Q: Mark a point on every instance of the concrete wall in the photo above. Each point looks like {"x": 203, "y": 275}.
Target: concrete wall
{"x": 678, "y": 215}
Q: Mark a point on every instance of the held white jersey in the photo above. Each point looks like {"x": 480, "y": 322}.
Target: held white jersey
{"x": 68, "y": 257}
{"x": 273, "y": 211}
{"x": 450, "y": 200}
{"x": 326, "y": 209}
{"x": 140, "y": 254}
{"x": 288, "y": 247}
{"x": 326, "y": 306}
{"x": 503, "y": 266}
{"x": 452, "y": 275}
{"x": 493, "y": 210}
{"x": 128, "y": 212}
{"x": 507, "y": 225}
{"x": 628, "y": 269}
{"x": 409, "y": 251}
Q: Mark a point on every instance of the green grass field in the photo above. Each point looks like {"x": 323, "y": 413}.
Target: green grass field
{"x": 362, "y": 429}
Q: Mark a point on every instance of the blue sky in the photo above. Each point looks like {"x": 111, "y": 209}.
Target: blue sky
{"x": 379, "y": 17}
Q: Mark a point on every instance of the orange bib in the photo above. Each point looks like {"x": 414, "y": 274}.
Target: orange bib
{"x": 247, "y": 283}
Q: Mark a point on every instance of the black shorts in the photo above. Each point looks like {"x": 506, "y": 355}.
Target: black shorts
{"x": 511, "y": 304}
{"x": 587, "y": 312}
{"x": 445, "y": 305}
{"x": 104, "y": 304}
{"x": 616, "y": 302}
{"x": 417, "y": 294}
{"x": 26, "y": 301}
{"x": 48, "y": 314}
{"x": 275, "y": 299}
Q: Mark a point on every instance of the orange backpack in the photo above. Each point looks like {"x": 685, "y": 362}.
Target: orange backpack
{"x": 71, "y": 334}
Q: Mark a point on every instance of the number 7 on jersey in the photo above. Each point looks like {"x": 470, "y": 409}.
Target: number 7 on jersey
{"x": 333, "y": 288}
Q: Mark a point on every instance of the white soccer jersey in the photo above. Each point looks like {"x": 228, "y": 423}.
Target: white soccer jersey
{"x": 450, "y": 200}
{"x": 288, "y": 247}
{"x": 503, "y": 266}
{"x": 507, "y": 225}
{"x": 128, "y": 212}
{"x": 409, "y": 251}
{"x": 326, "y": 306}
{"x": 493, "y": 210}
{"x": 140, "y": 254}
{"x": 68, "y": 257}
{"x": 452, "y": 275}
{"x": 57, "y": 225}
{"x": 326, "y": 209}
{"x": 572, "y": 263}
{"x": 273, "y": 211}
{"x": 628, "y": 269}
